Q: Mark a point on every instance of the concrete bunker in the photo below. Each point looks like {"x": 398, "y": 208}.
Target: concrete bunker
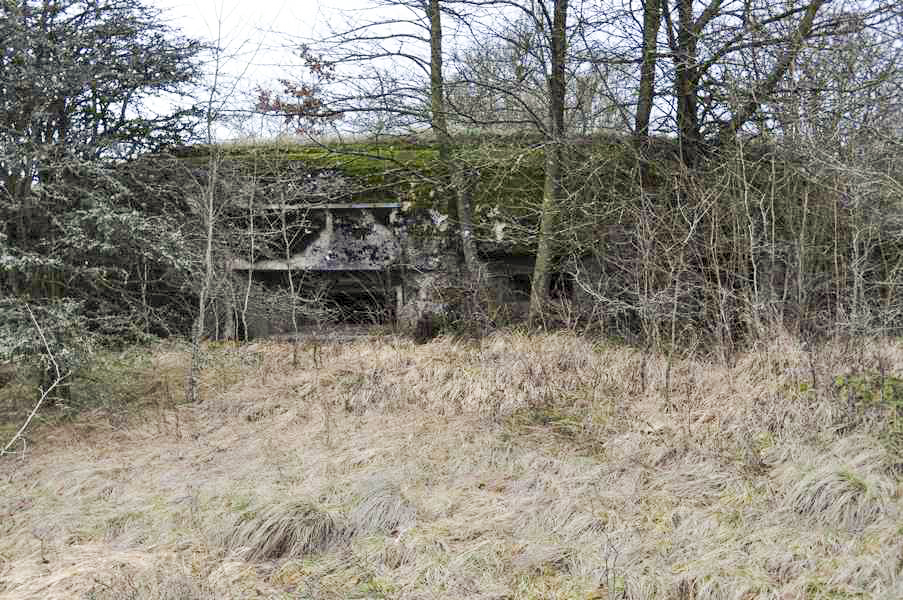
{"x": 343, "y": 260}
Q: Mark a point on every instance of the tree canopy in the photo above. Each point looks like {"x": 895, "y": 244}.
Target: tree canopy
{"x": 86, "y": 85}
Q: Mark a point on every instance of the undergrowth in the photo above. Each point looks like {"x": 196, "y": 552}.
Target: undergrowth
{"x": 119, "y": 384}
{"x": 511, "y": 466}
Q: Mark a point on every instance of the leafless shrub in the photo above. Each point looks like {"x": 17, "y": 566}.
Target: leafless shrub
{"x": 759, "y": 239}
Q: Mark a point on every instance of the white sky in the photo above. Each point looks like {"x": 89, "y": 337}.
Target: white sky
{"x": 259, "y": 29}
{"x": 240, "y": 18}
{"x": 254, "y": 35}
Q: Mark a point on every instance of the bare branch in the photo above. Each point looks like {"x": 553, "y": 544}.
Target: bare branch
{"x": 45, "y": 393}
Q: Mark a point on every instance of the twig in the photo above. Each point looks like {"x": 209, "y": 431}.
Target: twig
{"x": 44, "y": 393}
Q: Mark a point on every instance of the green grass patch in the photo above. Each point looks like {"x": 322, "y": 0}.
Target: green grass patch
{"x": 871, "y": 389}
{"x": 876, "y": 396}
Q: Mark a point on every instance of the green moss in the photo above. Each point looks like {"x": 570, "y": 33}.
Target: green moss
{"x": 873, "y": 393}
{"x": 507, "y": 172}
{"x": 871, "y": 389}
{"x": 605, "y": 180}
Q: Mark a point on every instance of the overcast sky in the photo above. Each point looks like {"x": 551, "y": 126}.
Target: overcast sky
{"x": 261, "y": 28}
{"x": 200, "y": 18}
{"x": 256, "y": 36}
{"x": 252, "y": 33}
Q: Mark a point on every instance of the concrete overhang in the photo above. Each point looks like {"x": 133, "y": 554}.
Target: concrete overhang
{"x": 372, "y": 246}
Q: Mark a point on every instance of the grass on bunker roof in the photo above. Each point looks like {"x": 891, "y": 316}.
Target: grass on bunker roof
{"x": 517, "y": 466}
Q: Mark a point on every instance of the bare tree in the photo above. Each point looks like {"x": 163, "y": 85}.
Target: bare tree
{"x": 553, "y": 189}
{"x": 460, "y": 188}
{"x": 727, "y": 58}
{"x": 209, "y": 205}
{"x": 529, "y": 87}
{"x": 385, "y": 74}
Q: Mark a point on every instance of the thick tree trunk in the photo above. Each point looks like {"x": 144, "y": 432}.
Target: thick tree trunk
{"x": 652, "y": 17}
{"x": 685, "y": 83}
{"x": 553, "y": 190}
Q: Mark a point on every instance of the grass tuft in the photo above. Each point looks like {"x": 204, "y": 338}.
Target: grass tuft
{"x": 163, "y": 582}
{"x": 847, "y": 487}
{"x": 381, "y": 507}
{"x": 289, "y": 529}
{"x": 542, "y": 559}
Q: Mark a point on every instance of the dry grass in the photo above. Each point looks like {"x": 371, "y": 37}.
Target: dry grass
{"x": 285, "y": 530}
{"x": 166, "y": 580}
{"x": 849, "y": 486}
{"x": 515, "y": 467}
{"x": 381, "y": 506}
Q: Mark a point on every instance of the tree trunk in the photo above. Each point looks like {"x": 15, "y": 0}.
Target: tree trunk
{"x": 229, "y": 316}
{"x": 463, "y": 194}
{"x": 437, "y": 102}
{"x": 652, "y": 17}
{"x": 192, "y": 394}
{"x": 685, "y": 84}
{"x": 461, "y": 234}
{"x": 287, "y": 240}
{"x": 553, "y": 190}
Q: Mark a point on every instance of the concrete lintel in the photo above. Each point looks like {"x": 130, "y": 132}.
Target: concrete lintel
{"x": 330, "y": 206}
{"x": 276, "y": 265}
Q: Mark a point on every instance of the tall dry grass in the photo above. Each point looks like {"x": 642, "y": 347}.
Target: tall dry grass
{"x": 518, "y": 466}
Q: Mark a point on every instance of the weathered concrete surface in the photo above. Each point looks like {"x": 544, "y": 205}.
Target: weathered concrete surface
{"x": 424, "y": 298}
{"x": 349, "y": 241}
{"x": 392, "y": 261}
